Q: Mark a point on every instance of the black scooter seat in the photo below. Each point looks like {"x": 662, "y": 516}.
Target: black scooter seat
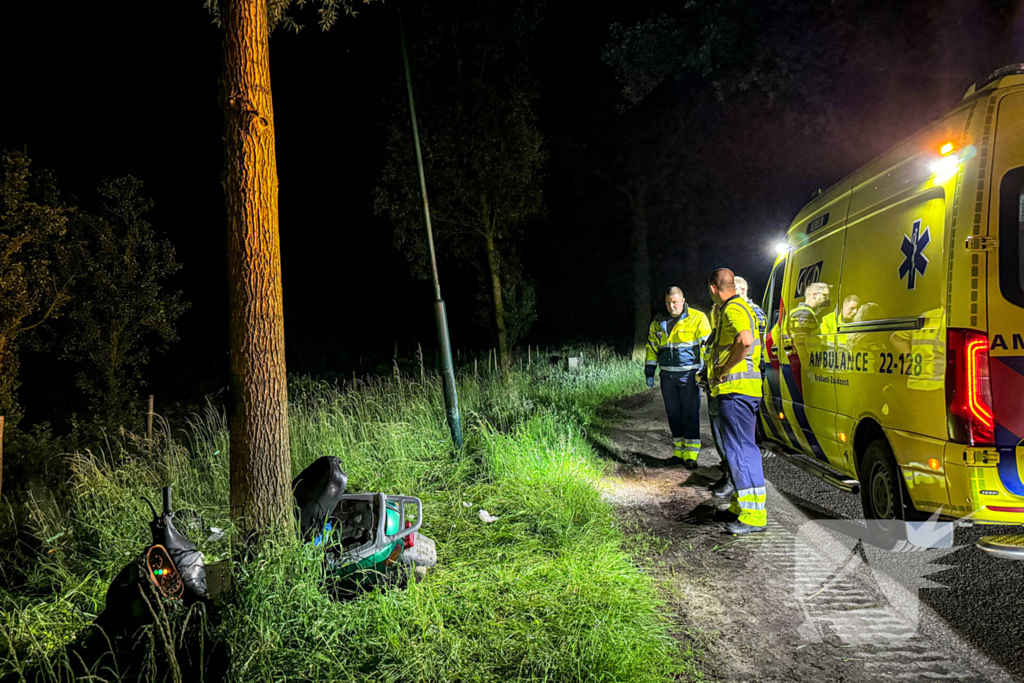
{"x": 317, "y": 491}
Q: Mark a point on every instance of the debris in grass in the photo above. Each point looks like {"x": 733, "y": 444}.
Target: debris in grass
{"x": 215, "y": 534}
{"x": 423, "y": 552}
{"x": 466, "y": 505}
{"x": 486, "y": 516}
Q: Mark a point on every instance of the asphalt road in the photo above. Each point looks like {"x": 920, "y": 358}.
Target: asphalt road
{"x": 983, "y": 598}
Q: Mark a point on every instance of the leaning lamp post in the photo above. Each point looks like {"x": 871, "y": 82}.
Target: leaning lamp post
{"x": 451, "y": 396}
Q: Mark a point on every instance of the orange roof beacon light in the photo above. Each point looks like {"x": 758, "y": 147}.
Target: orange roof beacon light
{"x": 946, "y": 149}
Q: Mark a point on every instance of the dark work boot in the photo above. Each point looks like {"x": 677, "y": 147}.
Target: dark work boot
{"x": 690, "y": 464}
{"x": 719, "y": 483}
{"x": 738, "y": 528}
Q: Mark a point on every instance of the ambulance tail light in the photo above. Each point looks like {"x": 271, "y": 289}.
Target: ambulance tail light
{"x": 968, "y": 388}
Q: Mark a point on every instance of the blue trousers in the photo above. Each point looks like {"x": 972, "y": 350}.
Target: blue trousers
{"x": 716, "y": 431}
{"x": 737, "y": 418}
{"x": 682, "y": 403}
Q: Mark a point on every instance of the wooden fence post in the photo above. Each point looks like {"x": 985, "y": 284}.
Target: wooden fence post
{"x": 1, "y": 455}
{"x": 419, "y": 352}
{"x": 149, "y": 424}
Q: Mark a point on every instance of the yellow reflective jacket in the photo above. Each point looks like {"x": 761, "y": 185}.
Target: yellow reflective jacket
{"x": 677, "y": 349}
{"x": 736, "y": 316}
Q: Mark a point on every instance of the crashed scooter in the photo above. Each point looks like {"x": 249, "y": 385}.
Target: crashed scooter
{"x": 169, "y": 575}
{"x": 366, "y": 537}
{"x": 368, "y": 542}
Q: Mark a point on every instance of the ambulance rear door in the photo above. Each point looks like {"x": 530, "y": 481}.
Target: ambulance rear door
{"x": 1005, "y": 310}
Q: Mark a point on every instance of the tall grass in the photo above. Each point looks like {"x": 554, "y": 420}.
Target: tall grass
{"x": 548, "y": 592}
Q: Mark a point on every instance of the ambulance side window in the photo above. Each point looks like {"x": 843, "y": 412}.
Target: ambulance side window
{"x": 774, "y": 292}
{"x": 1011, "y": 236}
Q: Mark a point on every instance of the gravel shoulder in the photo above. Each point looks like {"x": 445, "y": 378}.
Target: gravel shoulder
{"x": 775, "y": 606}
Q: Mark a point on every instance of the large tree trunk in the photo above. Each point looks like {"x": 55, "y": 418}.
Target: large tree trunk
{"x": 499, "y": 307}
{"x": 641, "y": 271}
{"x": 260, "y": 462}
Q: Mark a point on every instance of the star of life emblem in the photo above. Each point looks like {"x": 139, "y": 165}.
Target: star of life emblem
{"x": 913, "y": 247}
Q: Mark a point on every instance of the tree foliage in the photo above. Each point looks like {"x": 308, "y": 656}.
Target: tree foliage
{"x": 482, "y": 151}
{"x": 123, "y": 305}
{"x": 38, "y": 265}
{"x": 281, "y": 13}
{"x": 769, "y": 49}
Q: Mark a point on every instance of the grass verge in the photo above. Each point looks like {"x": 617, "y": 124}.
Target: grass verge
{"x": 549, "y": 592}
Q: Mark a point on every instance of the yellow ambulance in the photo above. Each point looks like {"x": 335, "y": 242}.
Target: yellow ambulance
{"x": 896, "y": 321}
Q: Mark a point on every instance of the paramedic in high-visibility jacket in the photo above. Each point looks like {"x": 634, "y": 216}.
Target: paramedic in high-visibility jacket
{"x": 762, "y": 320}
{"x": 735, "y": 380}
{"x": 674, "y": 343}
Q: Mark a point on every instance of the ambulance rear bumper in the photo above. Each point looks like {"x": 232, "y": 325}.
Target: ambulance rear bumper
{"x": 976, "y": 489}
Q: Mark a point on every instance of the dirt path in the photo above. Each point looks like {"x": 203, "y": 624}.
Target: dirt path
{"x": 772, "y": 606}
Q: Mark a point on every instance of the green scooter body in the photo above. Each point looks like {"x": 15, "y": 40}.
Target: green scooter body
{"x": 372, "y": 533}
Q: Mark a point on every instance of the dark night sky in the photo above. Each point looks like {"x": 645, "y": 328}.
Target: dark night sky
{"x": 95, "y": 93}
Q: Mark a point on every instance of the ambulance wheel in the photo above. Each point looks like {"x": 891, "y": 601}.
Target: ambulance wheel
{"x": 882, "y": 491}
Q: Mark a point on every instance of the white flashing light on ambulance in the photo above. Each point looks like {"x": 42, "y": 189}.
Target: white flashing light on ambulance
{"x": 896, "y": 322}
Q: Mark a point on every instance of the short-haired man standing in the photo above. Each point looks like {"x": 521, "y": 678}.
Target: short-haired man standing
{"x": 735, "y": 380}
{"x": 762, "y": 320}
{"x": 674, "y": 343}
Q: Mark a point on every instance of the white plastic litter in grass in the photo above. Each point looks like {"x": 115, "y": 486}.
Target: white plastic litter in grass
{"x": 487, "y": 517}
{"x": 216, "y": 535}
{"x": 466, "y": 505}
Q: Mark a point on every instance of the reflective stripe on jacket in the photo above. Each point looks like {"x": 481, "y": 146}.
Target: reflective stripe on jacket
{"x": 677, "y": 349}
{"x": 762, "y": 319}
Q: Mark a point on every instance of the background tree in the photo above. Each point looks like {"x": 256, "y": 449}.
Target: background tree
{"x": 122, "y": 304}
{"x": 647, "y": 156}
{"x": 482, "y": 151}
{"x": 520, "y": 299}
{"x": 38, "y": 265}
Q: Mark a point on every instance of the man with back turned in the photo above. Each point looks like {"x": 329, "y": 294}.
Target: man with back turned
{"x": 735, "y": 379}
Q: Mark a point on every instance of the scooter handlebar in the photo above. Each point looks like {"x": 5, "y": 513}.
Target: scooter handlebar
{"x": 402, "y": 500}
